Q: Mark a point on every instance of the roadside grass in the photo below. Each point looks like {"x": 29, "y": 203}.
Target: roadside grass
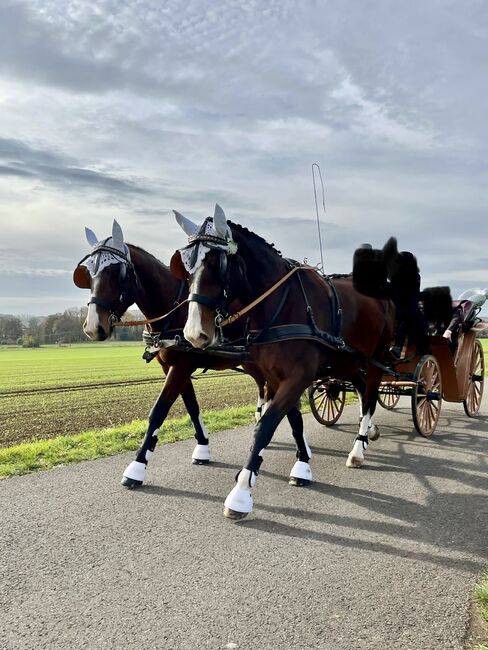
{"x": 40, "y": 455}
{"x": 66, "y": 450}
{"x": 481, "y": 598}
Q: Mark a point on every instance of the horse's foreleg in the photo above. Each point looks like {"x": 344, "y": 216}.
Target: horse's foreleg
{"x": 239, "y": 501}
{"x": 367, "y": 430}
{"x": 201, "y": 453}
{"x": 136, "y": 472}
{"x": 300, "y": 474}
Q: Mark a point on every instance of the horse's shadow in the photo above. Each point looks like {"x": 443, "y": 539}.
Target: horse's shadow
{"x": 446, "y": 524}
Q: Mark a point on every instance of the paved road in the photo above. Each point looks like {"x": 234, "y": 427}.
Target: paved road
{"x": 382, "y": 557}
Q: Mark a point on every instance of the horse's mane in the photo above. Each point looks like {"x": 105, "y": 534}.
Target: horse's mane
{"x": 145, "y": 252}
{"x": 252, "y": 235}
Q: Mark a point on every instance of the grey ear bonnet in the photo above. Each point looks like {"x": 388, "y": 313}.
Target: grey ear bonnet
{"x": 100, "y": 258}
{"x": 193, "y": 255}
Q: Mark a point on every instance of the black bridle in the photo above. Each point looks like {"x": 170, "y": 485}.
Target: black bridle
{"x": 126, "y": 271}
{"x": 219, "y": 304}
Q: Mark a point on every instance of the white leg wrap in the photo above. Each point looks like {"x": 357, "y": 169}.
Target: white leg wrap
{"x": 136, "y": 471}
{"x": 356, "y": 456}
{"x": 201, "y": 452}
{"x": 301, "y": 470}
{"x": 309, "y": 451}
{"x": 265, "y": 407}
{"x": 240, "y": 497}
{"x": 373, "y": 430}
{"x": 149, "y": 454}
{"x": 259, "y": 409}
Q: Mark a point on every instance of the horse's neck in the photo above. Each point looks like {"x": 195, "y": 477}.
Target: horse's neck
{"x": 157, "y": 289}
{"x": 264, "y": 265}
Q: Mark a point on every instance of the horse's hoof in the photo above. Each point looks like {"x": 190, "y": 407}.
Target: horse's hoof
{"x": 354, "y": 462}
{"x": 234, "y": 515}
{"x": 198, "y": 461}
{"x": 374, "y": 432}
{"x": 298, "y": 482}
{"x": 130, "y": 483}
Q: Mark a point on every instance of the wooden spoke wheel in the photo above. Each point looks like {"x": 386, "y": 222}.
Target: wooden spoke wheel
{"x": 327, "y": 399}
{"x": 427, "y": 395}
{"x": 387, "y": 397}
{"x": 476, "y": 380}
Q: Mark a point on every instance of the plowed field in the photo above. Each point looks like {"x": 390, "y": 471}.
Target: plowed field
{"x": 52, "y": 391}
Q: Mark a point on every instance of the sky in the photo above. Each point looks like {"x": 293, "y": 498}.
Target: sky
{"x": 128, "y": 109}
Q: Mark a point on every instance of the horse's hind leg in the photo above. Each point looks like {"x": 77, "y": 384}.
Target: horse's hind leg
{"x": 201, "y": 453}
{"x": 136, "y": 472}
{"x": 369, "y": 397}
{"x": 239, "y": 501}
{"x": 300, "y": 474}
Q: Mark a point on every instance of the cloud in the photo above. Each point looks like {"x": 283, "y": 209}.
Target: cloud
{"x": 25, "y": 161}
{"x": 132, "y": 109}
{"x": 33, "y": 272}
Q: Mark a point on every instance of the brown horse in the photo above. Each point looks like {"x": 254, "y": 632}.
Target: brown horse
{"x": 120, "y": 274}
{"x": 295, "y": 335}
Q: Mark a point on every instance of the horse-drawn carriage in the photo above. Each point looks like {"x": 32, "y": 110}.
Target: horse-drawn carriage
{"x": 453, "y": 375}
{"x": 300, "y": 325}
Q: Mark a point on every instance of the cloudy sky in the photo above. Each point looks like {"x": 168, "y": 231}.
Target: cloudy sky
{"x": 129, "y": 108}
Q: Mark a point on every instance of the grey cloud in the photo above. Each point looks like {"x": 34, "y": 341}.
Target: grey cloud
{"x": 22, "y": 160}
{"x": 12, "y": 170}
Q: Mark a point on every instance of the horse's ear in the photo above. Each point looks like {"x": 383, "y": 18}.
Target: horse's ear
{"x": 91, "y": 238}
{"x": 81, "y": 277}
{"x": 390, "y": 252}
{"x": 117, "y": 236}
{"x": 177, "y": 267}
{"x": 188, "y": 226}
{"x": 220, "y": 222}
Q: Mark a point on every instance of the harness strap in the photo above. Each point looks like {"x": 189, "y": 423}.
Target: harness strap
{"x": 238, "y": 314}
{"x": 109, "y": 306}
{"x": 211, "y": 303}
{"x": 280, "y": 333}
{"x": 263, "y": 332}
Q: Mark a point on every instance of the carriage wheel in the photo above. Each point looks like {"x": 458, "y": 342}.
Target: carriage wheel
{"x": 388, "y": 398}
{"x": 427, "y": 395}
{"x": 327, "y": 399}
{"x": 476, "y": 380}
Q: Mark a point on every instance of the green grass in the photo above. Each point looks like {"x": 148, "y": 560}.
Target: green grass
{"x": 481, "y": 597}
{"x": 65, "y": 450}
{"x": 47, "y": 406}
{"x": 84, "y": 363}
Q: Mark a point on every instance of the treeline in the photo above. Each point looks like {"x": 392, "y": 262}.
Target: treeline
{"x": 61, "y": 329}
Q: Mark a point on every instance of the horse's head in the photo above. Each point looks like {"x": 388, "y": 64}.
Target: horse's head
{"x": 215, "y": 274}
{"x": 109, "y": 273}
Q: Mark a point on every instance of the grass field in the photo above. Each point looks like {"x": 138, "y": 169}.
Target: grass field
{"x": 53, "y": 391}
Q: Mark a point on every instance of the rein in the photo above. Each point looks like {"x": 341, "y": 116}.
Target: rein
{"x": 238, "y": 314}
{"x": 147, "y": 321}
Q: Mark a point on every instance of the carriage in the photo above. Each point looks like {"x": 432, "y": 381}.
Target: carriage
{"x": 453, "y": 376}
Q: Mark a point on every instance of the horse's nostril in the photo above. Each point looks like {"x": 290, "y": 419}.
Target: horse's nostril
{"x": 102, "y": 335}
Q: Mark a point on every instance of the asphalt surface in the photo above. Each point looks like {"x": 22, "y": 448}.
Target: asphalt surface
{"x": 381, "y": 557}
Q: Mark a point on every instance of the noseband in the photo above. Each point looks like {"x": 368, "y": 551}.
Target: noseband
{"x": 126, "y": 269}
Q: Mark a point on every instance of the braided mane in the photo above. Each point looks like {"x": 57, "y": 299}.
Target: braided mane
{"x": 252, "y": 235}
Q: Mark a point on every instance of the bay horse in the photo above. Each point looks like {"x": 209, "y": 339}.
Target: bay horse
{"x": 120, "y": 274}
{"x": 294, "y": 334}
